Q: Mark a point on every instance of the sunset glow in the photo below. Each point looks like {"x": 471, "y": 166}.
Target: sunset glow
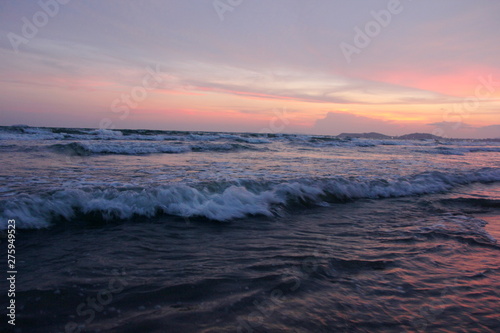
{"x": 225, "y": 75}
{"x": 250, "y": 165}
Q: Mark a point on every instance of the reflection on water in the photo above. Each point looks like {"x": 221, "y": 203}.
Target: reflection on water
{"x": 160, "y": 231}
{"x": 358, "y": 267}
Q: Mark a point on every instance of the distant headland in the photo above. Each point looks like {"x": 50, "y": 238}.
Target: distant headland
{"x": 412, "y": 136}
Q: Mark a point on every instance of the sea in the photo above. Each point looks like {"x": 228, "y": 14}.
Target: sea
{"x": 172, "y": 231}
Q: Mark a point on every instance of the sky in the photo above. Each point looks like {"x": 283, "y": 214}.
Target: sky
{"x": 291, "y": 66}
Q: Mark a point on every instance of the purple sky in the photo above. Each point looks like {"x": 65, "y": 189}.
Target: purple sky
{"x": 240, "y": 65}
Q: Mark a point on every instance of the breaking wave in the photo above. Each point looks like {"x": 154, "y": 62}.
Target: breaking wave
{"x": 223, "y": 202}
{"x": 26, "y": 133}
{"x": 141, "y": 148}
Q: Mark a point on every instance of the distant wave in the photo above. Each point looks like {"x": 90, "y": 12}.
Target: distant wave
{"x": 223, "y": 202}
{"x": 26, "y": 133}
{"x": 40, "y": 134}
{"x": 328, "y": 141}
{"x": 141, "y": 148}
{"x": 459, "y": 150}
{"x": 99, "y": 147}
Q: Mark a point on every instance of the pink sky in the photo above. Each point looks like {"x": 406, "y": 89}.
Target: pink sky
{"x": 261, "y": 66}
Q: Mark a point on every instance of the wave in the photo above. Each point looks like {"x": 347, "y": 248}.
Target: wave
{"x": 223, "y": 202}
{"x": 472, "y": 202}
{"x": 463, "y": 227}
{"x": 141, "y": 148}
{"x": 322, "y": 142}
{"x": 459, "y": 151}
{"x": 26, "y": 133}
{"x": 131, "y": 148}
{"x": 484, "y": 150}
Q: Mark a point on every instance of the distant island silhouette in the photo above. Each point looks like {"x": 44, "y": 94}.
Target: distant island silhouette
{"x": 375, "y": 135}
{"x": 412, "y": 136}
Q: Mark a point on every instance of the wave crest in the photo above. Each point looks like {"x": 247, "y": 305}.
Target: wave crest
{"x": 223, "y": 202}
{"x": 141, "y": 148}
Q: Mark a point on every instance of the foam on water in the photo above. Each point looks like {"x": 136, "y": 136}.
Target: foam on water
{"x": 226, "y": 201}
{"x": 140, "y": 148}
{"x": 139, "y": 142}
{"x": 365, "y": 234}
{"x": 130, "y": 148}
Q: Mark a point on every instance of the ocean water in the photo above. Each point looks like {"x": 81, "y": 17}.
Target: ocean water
{"x": 167, "y": 231}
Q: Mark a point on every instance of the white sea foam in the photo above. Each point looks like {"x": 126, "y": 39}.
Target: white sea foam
{"x": 29, "y": 134}
{"x": 26, "y": 133}
{"x": 107, "y": 147}
{"x": 105, "y": 134}
{"x": 140, "y": 148}
{"x": 228, "y": 201}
